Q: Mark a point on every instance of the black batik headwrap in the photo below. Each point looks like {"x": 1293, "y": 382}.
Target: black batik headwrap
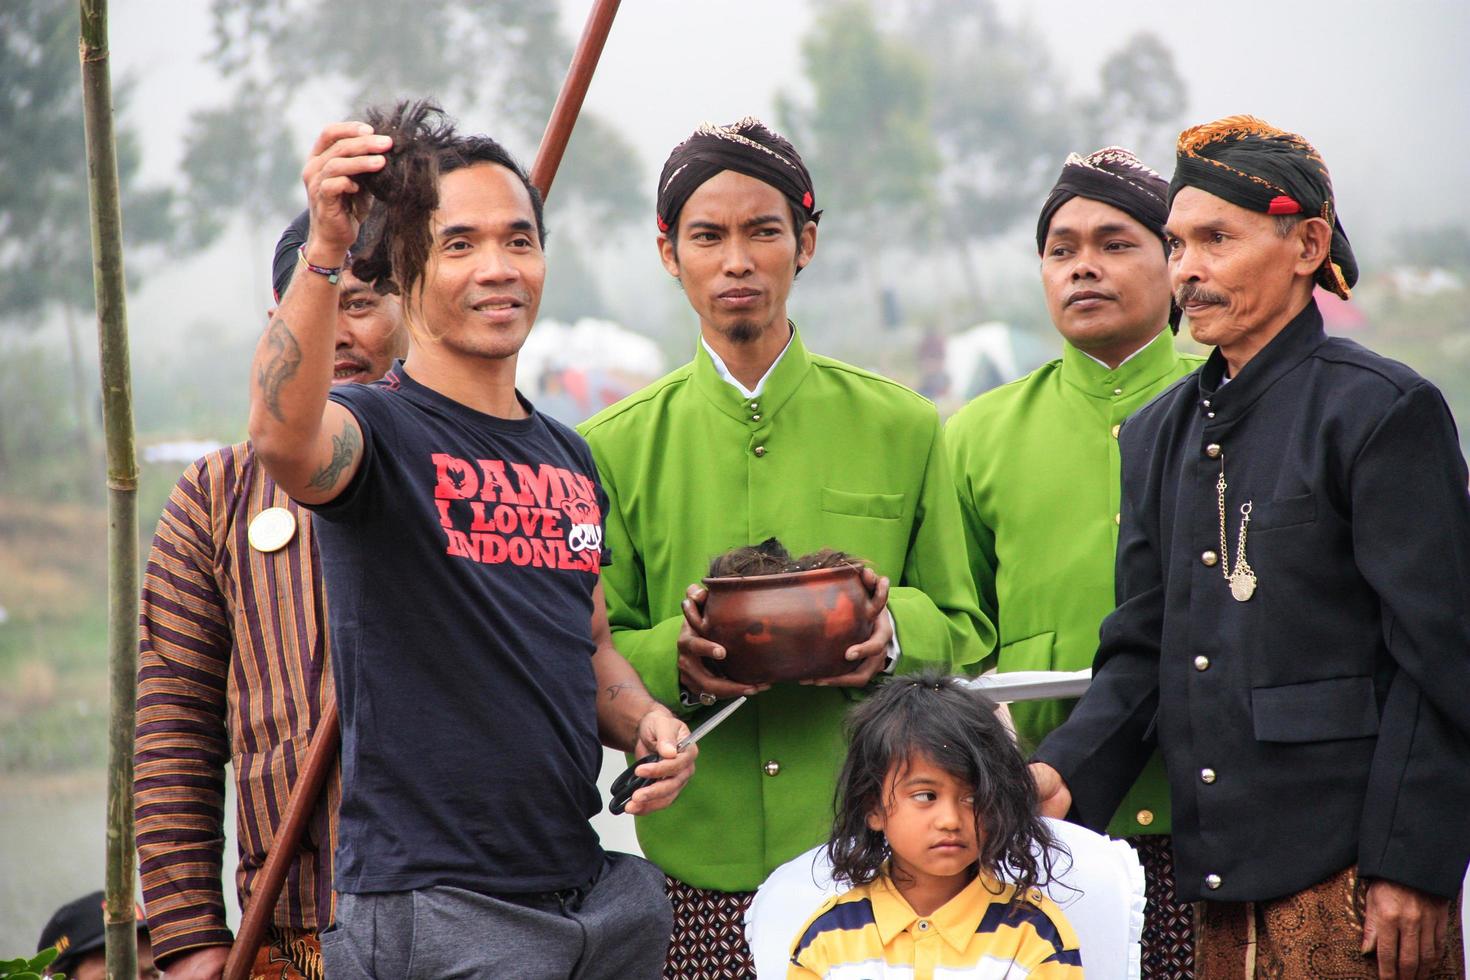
{"x": 748, "y": 147}
{"x": 1113, "y": 176}
{"x": 1116, "y": 177}
{"x": 1254, "y": 165}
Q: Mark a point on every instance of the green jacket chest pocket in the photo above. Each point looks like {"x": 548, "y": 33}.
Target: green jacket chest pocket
{"x": 869, "y": 525}
{"x": 850, "y": 503}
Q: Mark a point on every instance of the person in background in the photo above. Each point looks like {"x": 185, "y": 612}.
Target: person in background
{"x": 1036, "y": 465}
{"x": 79, "y": 934}
{"x": 234, "y": 667}
{"x": 1291, "y": 629}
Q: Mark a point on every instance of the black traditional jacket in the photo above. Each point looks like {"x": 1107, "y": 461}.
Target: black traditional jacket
{"x": 1326, "y": 719}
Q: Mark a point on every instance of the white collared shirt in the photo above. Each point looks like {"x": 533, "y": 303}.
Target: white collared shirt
{"x": 1110, "y": 367}
{"x": 725, "y": 375}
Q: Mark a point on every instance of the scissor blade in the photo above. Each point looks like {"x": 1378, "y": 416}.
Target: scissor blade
{"x": 711, "y": 722}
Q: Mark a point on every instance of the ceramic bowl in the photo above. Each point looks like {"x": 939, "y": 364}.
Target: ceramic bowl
{"x": 786, "y": 627}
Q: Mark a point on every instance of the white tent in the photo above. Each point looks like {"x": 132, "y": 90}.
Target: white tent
{"x": 572, "y": 372}
{"x": 990, "y": 354}
{"x": 589, "y": 344}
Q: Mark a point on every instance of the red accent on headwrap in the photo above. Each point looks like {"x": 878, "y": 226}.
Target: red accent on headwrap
{"x": 806, "y": 200}
{"x": 1281, "y": 204}
{"x": 662, "y": 224}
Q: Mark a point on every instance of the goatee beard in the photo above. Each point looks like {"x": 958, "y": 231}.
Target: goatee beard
{"x": 742, "y": 331}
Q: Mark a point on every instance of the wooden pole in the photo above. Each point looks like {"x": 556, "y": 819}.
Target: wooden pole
{"x": 573, "y": 91}
{"x": 325, "y": 742}
{"x": 122, "y": 489}
{"x": 319, "y": 761}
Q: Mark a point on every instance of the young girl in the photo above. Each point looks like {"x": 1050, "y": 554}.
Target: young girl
{"x": 938, "y": 832}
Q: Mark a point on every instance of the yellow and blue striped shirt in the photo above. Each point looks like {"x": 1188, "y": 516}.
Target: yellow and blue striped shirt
{"x": 871, "y": 933}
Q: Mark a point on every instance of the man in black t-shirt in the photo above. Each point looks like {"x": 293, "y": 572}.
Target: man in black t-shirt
{"x": 461, "y": 540}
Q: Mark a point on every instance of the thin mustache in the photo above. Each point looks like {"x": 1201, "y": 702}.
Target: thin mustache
{"x": 1191, "y": 292}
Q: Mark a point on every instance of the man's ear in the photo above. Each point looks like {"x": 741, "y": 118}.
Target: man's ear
{"x": 1314, "y": 235}
{"x": 806, "y": 244}
{"x": 668, "y": 255}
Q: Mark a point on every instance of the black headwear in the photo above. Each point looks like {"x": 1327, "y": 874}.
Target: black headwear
{"x": 1254, "y": 165}
{"x": 77, "y": 929}
{"x": 283, "y": 264}
{"x": 1116, "y": 177}
{"x": 748, "y": 147}
{"x": 1113, "y": 176}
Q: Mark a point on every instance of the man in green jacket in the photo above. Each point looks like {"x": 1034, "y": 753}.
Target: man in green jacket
{"x": 1037, "y": 466}
{"x": 757, "y": 438}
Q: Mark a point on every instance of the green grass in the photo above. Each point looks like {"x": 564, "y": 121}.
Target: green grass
{"x": 53, "y": 693}
{"x": 53, "y": 646}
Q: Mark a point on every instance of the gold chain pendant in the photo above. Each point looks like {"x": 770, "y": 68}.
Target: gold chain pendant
{"x": 1241, "y": 578}
{"x": 1242, "y": 585}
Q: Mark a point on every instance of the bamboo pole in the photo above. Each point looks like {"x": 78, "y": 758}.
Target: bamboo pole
{"x": 327, "y": 738}
{"x": 122, "y": 489}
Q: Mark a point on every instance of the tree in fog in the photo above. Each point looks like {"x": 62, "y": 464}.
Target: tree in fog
{"x": 865, "y": 134}
{"x": 953, "y": 121}
{"x": 1140, "y": 101}
{"x": 45, "y": 230}
{"x": 1002, "y": 118}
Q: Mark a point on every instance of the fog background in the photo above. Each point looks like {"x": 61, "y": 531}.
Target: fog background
{"x": 910, "y": 258}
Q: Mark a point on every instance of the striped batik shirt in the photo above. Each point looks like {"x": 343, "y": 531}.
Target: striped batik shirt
{"x": 871, "y": 933}
{"x": 233, "y": 668}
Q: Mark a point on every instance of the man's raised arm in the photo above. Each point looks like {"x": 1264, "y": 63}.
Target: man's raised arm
{"x": 310, "y": 446}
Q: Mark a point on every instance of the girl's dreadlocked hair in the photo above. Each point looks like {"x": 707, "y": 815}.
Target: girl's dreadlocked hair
{"x": 935, "y": 716}
{"x": 397, "y": 233}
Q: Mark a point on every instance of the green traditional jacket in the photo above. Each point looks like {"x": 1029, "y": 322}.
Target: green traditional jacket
{"x": 826, "y": 455}
{"x": 1037, "y": 466}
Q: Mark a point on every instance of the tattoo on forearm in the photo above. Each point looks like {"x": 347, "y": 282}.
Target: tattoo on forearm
{"x": 344, "y": 451}
{"x": 283, "y": 357}
{"x": 613, "y": 690}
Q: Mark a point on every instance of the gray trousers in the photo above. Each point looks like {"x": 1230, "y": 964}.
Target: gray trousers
{"x": 616, "y": 927}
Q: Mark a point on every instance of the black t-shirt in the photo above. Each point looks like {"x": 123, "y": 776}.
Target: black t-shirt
{"x": 460, "y": 564}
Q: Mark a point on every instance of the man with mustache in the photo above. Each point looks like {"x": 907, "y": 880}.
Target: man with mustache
{"x": 759, "y": 438}
{"x": 462, "y": 549}
{"x": 233, "y": 667}
{"x": 1292, "y": 578}
{"x": 1036, "y": 464}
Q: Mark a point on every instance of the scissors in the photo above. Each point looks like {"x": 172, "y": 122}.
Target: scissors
{"x": 627, "y": 784}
